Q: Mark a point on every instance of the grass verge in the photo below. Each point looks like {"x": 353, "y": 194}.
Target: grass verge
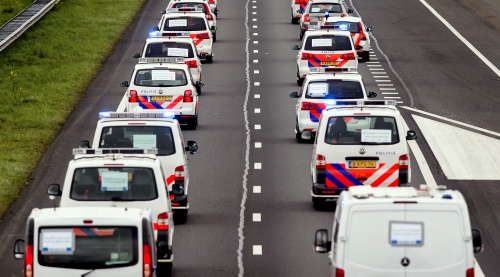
{"x": 10, "y": 8}
{"x": 43, "y": 75}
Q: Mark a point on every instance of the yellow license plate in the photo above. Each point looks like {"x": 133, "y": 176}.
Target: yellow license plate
{"x": 329, "y": 63}
{"x": 161, "y": 98}
{"x": 320, "y": 18}
{"x": 363, "y": 164}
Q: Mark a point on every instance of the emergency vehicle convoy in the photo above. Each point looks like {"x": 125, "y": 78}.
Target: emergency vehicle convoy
{"x": 358, "y": 30}
{"x": 314, "y": 13}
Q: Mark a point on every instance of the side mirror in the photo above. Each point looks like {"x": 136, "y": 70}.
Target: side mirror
{"x": 411, "y": 135}
{"x": 163, "y": 11}
{"x": 156, "y": 29}
{"x": 199, "y": 84}
{"x": 192, "y": 146}
{"x": 53, "y": 191}
{"x": 359, "y": 47}
{"x": 477, "y": 241}
{"x": 299, "y": 11}
{"x": 306, "y": 135}
{"x": 217, "y": 12}
{"x": 19, "y": 249}
{"x": 84, "y": 144}
{"x": 295, "y": 47}
{"x": 203, "y": 56}
{"x": 213, "y": 28}
{"x": 124, "y": 84}
{"x": 294, "y": 94}
{"x": 369, "y": 29}
{"x": 372, "y": 94}
{"x": 321, "y": 242}
{"x": 349, "y": 11}
{"x": 177, "y": 189}
{"x": 136, "y": 55}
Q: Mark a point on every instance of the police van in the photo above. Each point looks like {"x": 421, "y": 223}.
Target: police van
{"x": 151, "y": 130}
{"x": 92, "y": 241}
{"x": 121, "y": 178}
{"x": 400, "y": 232}
{"x": 359, "y": 143}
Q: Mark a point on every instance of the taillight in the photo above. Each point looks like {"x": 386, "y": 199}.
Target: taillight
{"x": 308, "y": 106}
{"x": 28, "y": 261}
{"x": 301, "y": 1}
{"x": 306, "y": 17}
{"x": 320, "y": 162}
{"x": 347, "y": 56}
{"x": 192, "y": 64}
{"x": 146, "y": 260}
{"x": 339, "y": 272}
{"x": 307, "y": 56}
{"x": 162, "y": 221}
{"x": 404, "y": 161}
{"x": 203, "y": 35}
{"x": 469, "y": 272}
{"x": 211, "y": 1}
{"x": 188, "y": 96}
{"x": 210, "y": 17}
{"x": 133, "y": 96}
{"x": 179, "y": 173}
{"x": 361, "y": 33}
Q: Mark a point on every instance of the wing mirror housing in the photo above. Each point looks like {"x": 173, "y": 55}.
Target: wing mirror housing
{"x": 213, "y": 28}
{"x": 136, "y": 55}
{"x": 372, "y": 94}
{"x": 321, "y": 242}
{"x": 19, "y": 249}
{"x": 192, "y": 147}
{"x": 294, "y": 94}
{"x": 477, "y": 241}
{"x": 54, "y": 190}
{"x": 84, "y": 144}
{"x": 124, "y": 84}
{"x": 296, "y": 47}
{"x": 163, "y": 11}
{"x": 349, "y": 11}
{"x": 199, "y": 84}
{"x": 359, "y": 47}
{"x": 217, "y": 12}
{"x": 411, "y": 135}
{"x": 369, "y": 29}
{"x": 156, "y": 29}
{"x": 306, "y": 135}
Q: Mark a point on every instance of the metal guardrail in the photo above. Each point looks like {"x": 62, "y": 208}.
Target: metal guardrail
{"x": 13, "y": 29}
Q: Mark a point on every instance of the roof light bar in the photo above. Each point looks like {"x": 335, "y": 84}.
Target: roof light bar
{"x": 87, "y": 151}
{"x": 360, "y": 103}
{"x": 136, "y": 115}
{"x": 162, "y": 60}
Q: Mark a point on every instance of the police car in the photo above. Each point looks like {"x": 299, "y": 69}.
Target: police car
{"x": 130, "y": 178}
{"x": 327, "y": 48}
{"x": 314, "y": 13}
{"x": 319, "y": 91}
{"x": 196, "y": 5}
{"x": 298, "y": 7}
{"x": 358, "y": 30}
{"x": 151, "y": 130}
{"x": 359, "y": 143}
{"x": 159, "y": 85}
{"x": 104, "y": 241}
{"x": 195, "y": 23}
{"x": 176, "y": 46}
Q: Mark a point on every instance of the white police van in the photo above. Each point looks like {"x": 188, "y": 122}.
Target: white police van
{"x": 400, "y": 232}
{"x": 99, "y": 242}
{"x": 359, "y": 143}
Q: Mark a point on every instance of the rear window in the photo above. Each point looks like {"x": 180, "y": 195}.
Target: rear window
{"x": 113, "y": 184}
{"x": 358, "y": 130}
{"x": 160, "y": 78}
{"x": 334, "y": 89}
{"x": 93, "y": 247}
{"x": 144, "y": 137}
{"x": 328, "y": 43}
{"x": 169, "y": 49}
{"x": 189, "y": 5}
{"x": 325, "y": 7}
{"x": 185, "y": 24}
{"x": 352, "y": 27}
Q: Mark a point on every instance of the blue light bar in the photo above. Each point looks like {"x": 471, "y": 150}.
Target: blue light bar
{"x": 136, "y": 115}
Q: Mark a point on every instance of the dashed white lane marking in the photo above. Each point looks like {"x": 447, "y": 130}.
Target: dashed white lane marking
{"x": 392, "y": 97}
{"x": 257, "y": 189}
{"x": 254, "y": 26}
{"x": 256, "y": 217}
{"x": 381, "y": 76}
{"x": 258, "y": 145}
{"x": 257, "y": 166}
{"x": 379, "y": 72}
{"x": 385, "y": 85}
{"x": 256, "y": 96}
{"x": 255, "y": 34}
{"x": 255, "y": 61}
{"x": 372, "y": 62}
{"x": 254, "y": 12}
{"x": 256, "y": 71}
{"x": 254, "y": 7}
{"x": 374, "y": 65}
{"x": 389, "y": 93}
{"x": 387, "y": 88}
{"x": 254, "y": 19}
{"x": 255, "y": 42}
{"x": 375, "y": 69}
{"x": 257, "y": 127}
{"x": 382, "y": 81}
{"x": 256, "y": 84}
{"x": 257, "y": 250}
{"x": 256, "y": 51}
{"x": 256, "y": 110}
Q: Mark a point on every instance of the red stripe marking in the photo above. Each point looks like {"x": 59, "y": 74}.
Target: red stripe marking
{"x": 341, "y": 63}
{"x": 322, "y": 57}
{"x": 196, "y": 42}
{"x": 386, "y": 175}
{"x": 170, "y": 180}
{"x": 142, "y": 99}
{"x": 176, "y": 100}
{"x": 395, "y": 183}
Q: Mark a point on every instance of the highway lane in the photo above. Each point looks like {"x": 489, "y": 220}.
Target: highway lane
{"x": 207, "y": 245}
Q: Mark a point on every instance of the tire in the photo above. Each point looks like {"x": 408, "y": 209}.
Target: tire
{"x": 180, "y": 216}
{"x": 209, "y": 59}
{"x": 198, "y": 90}
{"x": 318, "y": 204}
{"x": 301, "y": 34}
{"x": 164, "y": 270}
{"x": 300, "y": 81}
{"x": 366, "y": 56}
{"x": 192, "y": 123}
{"x": 298, "y": 135}
{"x": 215, "y": 37}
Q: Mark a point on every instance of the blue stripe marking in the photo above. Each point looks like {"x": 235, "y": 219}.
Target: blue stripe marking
{"x": 347, "y": 175}
{"x": 331, "y": 178}
{"x": 88, "y": 232}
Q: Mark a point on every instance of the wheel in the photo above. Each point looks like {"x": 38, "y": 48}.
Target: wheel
{"x": 318, "y": 203}
{"x": 215, "y": 37}
{"x": 300, "y": 81}
{"x": 192, "y": 123}
{"x": 298, "y": 135}
{"x": 198, "y": 90}
{"x": 301, "y": 34}
{"x": 209, "y": 59}
{"x": 366, "y": 56}
{"x": 164, "y": 270}
{"x": 180, "y": 216}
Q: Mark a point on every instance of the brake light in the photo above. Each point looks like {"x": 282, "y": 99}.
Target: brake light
{"x": 192, "y": 64}
{"x": 133, "y": 96}
{"x": 28, "y": 261}
{"x": 210, "y": 17}
{"x": 301, "y": 1}
{"x": 211, "y": 1}
{"x": 320, "y": 162}
{"x": 146, "y": 260}
{"x": 306, "y": 17}
{"x": 162, "y": 221}
{"x": 179, "y": 173}
{"x": 188, "y": 96}
{"x": 404, "y": 161}
{"x": 307, "y": 56}
{"x": 469, "y": 272}
{"x": 308, "y": 106}
{"x": 203, "y": 35}
{"x": 348, "y": 56}
{"x": 339, "y": 272}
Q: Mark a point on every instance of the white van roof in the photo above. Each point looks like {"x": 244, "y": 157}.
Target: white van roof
{"x": 424, "y": 194}
{"x": 76, "y": 215}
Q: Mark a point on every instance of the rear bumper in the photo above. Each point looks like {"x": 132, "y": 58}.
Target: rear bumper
{"x": 180, "y": 202}
{"x": 321, "y": 191}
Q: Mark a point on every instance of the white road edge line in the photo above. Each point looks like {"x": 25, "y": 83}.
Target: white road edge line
{"x": 460, "y": 37}
{"x": 241, "y": 236}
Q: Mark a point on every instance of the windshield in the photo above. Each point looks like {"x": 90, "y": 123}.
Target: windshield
{"x": 169, "y": 49}
{"x": 334, "y": 89}
{"x": 88, "y": 248}
{"x": 143, "y": 137}
{"x": 185, "y": 24}
{"x": 160, "y": 78}
{"x": 325, "y": 7}
{"x": 328, "y": 43}
{"x": 357, "y": 130}
{"x": 113, "y": 184}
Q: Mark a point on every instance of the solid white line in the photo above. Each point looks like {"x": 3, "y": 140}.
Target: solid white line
{"x": 256, "y": 217}
{"x": 257, "y": 250}
{"x": 258, "y": 145}
{"x": 257, "y": 189}
{"x": 257, "y": 166}
{"x": 460, "y": 37}
{"x": 241, "y": 236}
{"x": 121, "y": 106}
{"x": 453, "y": 121}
